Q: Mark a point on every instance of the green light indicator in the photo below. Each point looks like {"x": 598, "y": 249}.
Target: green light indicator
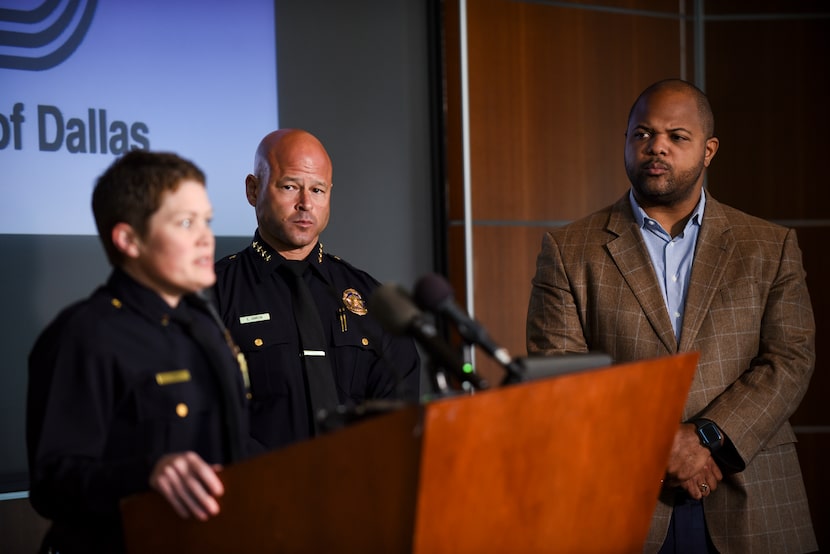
{"x": 467, "y": 368}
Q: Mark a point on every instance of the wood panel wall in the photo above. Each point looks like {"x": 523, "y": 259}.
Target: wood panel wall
{"x": 550, "y": 86}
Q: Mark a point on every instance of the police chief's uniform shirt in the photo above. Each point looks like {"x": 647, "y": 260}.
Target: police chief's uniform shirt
{"x": 255, "y": 303}
{"x": 115, "y": 382}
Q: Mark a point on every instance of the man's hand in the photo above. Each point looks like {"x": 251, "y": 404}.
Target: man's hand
{"x": 705, "y": 482}
{"x": 691, "y": 465}
{"x": 189, "y": 484}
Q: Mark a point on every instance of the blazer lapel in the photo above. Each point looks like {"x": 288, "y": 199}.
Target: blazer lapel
{"x": 629, "y": 254}
{"x": 713, "y": 250}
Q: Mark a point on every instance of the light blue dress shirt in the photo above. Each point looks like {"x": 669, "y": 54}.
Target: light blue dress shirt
{"x": 671, "y": 257}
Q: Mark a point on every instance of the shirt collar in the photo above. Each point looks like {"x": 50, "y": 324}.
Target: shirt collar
{"x": 641, "y": 217}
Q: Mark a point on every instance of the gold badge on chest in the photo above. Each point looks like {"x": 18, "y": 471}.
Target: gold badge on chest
{"x": 354, "y": 302}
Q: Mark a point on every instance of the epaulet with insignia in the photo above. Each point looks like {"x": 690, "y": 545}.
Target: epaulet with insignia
{"x": 334, "y": 257}
{"x": 329, "y": 255}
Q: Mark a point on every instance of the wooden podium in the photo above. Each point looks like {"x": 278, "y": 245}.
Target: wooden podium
{"x": 565, "y": 464}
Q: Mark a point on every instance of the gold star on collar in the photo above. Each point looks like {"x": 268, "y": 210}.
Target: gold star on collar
{"x": 259, "y": 249}
{"x": 266, "y": 255}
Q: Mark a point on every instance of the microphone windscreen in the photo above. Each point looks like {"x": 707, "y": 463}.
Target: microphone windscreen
{"x": 431, "y": 291}
{"x": 390, "y": 305}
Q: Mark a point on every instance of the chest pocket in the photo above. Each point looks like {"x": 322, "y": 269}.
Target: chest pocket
{"x": 262, "y": 335}
{"x": 740, "y": 293}
{"x": 172, "y": 395}
{"x": 737, "y": 311}
{"x": 270, "y": 348}
{"x": 360, "y": 332}
{"x": 356, "y": 342}
{"x": 169, "y": 411}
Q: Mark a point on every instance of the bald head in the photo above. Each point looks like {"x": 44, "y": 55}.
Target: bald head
{"x": 283, "y": 146}
{"x": 704, "y": 109}
{"x": 290, "y": 191}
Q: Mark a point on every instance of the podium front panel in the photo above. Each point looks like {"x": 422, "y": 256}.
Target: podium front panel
{"x": 568, "y": 464}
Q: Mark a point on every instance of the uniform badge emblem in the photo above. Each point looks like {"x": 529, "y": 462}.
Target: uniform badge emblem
{"x": 354, "y": 302}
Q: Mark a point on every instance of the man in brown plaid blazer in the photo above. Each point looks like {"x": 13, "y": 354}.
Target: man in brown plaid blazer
{"x": 669, "y": 269}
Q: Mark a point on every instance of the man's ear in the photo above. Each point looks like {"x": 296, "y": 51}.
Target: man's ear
{"x": 251, "y": 189}
{"x": 126, "y": 240}
{"x": 711, "y": 149}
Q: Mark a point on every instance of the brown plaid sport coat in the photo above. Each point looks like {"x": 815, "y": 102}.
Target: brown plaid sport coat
{"x": 747, "y": 312}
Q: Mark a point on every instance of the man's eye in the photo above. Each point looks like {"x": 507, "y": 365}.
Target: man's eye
{"x": 187, "y": 223}
{"x": 641, "y": 134}
{"x": 679, "y": 138}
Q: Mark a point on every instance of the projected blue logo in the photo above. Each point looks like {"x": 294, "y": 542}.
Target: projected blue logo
{"x": 45, "y": 36}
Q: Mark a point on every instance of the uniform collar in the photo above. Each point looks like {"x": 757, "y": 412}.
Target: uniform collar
{"x": 127, "y": 291}
{"x": 267, "y": 260}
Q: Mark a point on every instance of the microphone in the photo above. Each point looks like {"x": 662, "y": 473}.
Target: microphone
{"x": 393, "y": 308}
{"x": 434, "y": 294}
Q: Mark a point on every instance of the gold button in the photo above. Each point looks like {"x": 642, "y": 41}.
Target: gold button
{"x": 165, "y": 320}
{"x": 181, "y": 409}
{"x": 116, "y": 302}
{"x": 364, "y": 341}
{"x": 258, "y": 342}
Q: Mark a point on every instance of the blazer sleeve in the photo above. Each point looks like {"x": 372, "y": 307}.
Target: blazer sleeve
{"x": 553, "y": 323}
{"x": 753, "y": 411}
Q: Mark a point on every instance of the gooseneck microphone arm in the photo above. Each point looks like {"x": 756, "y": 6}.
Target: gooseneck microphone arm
{"x": 434, "y": 294}
{"x": 395, "y": 311}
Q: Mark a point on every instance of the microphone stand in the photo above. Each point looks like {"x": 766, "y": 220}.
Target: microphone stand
{"x": 440, "y": 384}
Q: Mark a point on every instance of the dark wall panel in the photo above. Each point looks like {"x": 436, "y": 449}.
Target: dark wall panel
{"x": 356, "y": 75}
{"x": 767, "y": 82}
{"x": 504, "y": 263}
{"x": 550, "y": 89}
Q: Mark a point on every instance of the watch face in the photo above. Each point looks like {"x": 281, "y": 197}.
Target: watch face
{"x": 709, "y": 434}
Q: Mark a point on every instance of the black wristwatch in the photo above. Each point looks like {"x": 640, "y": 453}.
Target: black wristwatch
{"x": 709, "y": 433}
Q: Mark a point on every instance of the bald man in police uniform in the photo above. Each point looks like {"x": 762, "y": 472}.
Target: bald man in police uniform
{"x": 290, "y": 190}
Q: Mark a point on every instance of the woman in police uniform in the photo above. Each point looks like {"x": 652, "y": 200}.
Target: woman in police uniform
{"x": 136, "y": 386}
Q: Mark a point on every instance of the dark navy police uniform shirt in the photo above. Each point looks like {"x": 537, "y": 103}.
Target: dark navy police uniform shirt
{"x": 115, "y": 382}
{"x": 255, "y": 303}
